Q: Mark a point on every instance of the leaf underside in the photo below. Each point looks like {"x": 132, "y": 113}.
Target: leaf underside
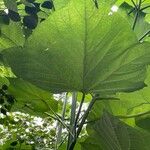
{"x": 82, "y": 48}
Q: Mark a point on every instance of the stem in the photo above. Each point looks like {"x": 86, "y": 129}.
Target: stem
{"x": 62, "y": 141}
{"x": 62, "y": 118}
{"x": 131, "y": 108}
{"x": 72, "y": 119}
{"x": 133, "y": 116}
{"x": 133, "y": 9}
{"x": 96, "y": 3}
{"x": 79, "y": 111}
{"x": 58, "y": 119}
{"x": 86, "y": 115}
{"x": 123, "y": 117}
{"x": 51, "y": 116}
{"x": 55, "y": 114}
{"x": 82, "y": 123}
{"x": 137, "y": 14}
{"x": 147, "y": 33}
{"x": 134, "y": 4}
{"x": 145, "y": 7}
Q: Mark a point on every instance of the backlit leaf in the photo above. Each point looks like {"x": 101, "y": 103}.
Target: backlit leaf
{"x": 82, "y": 48}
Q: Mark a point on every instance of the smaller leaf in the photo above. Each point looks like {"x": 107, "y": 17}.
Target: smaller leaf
{"x": 37, "y": 5}
{"x": 30, "y": 1}
{"x": 30, "y": 10}
{"x": 31, "y": 99}
{"x": 11, "y": 5}
{"x": 12, "y": 35}
{"x": 30, "y": 21}
{"x": 5, "y": 19}
{"x": 27, "y": 3}
{"x": 14, "y": 16}
{"x": 143, "y": 122}
{"x": 47, "y": 5}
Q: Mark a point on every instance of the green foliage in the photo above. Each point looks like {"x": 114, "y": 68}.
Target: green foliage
{"x": 3, "y": 81}
{"x": 6, "y": 100}
{"x": 144, "y": 4}
{"x": 11, "y": 38}
{"x": 141, "y": 26}
{"x": 11, "y": 4}
{"x": 88, "y": 48}
{"x": 30, "y": 98}
{"x": 9, "y": 146}
{"x": 88, "y": 63}
{"x": 143, "y": 122}
{"x": 26, "y": 132}
{"x": 109, "y": 133}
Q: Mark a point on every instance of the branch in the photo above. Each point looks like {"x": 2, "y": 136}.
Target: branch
{"x": 61, "y": 123}
{"x": 137, "y": 14}
{"x": 59, "y": 134}
{"x": 133, "y": 9}
{"x": 133, "y": 116}
{"x": 134, "y": 4}
{"x": 57, "y": 116}
{"x": 147, "y": 33}
{"x": 72, "y": 120}
{"x": 82, "y": 122}
{"x": 145, "y": 7}
{"x": 79, "y": 111}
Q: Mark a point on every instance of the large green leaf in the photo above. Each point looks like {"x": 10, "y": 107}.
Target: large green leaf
{"x": 30, "y": 98}
{"x": 82, "y": 48}
{"x": 111, "y": 134}
{"x": 60, "y": 4}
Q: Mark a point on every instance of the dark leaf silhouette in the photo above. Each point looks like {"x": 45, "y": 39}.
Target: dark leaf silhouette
{"x": 30, "y": 21}
{"x": 14, "y": 16}
{"x": 47, "y": 4}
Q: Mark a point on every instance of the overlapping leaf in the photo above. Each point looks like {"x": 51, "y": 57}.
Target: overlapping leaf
{"x": 133, "y": 108}
{"x": 11, "y": 36}
{"x": 144, "y": 4}
{"x": 141, "y": 26}
{"x": 111, "y": 134}
{"x": 31, "y": 99}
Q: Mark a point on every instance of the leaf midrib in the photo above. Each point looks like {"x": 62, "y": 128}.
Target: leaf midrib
{"x": 85, "y": 44}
